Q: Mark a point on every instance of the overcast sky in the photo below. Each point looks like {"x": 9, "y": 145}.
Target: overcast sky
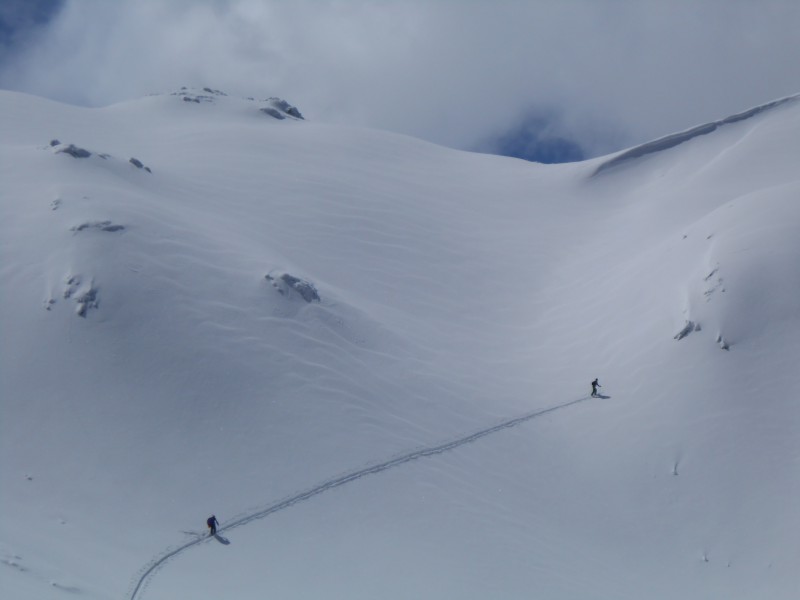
{"x": 592, "y": 75}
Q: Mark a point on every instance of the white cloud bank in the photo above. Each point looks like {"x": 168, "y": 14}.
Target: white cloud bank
{"x": 451, "y": 72}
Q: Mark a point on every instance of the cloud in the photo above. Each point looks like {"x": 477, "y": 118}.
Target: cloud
{"x": 18, "y": 18}
{"x": 534, "y": 138}
{"x": 453, "y": 72}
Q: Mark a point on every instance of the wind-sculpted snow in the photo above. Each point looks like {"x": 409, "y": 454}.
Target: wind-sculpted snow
{"x": 151, "y": 374}
{"x": 342, "y": 480}
{"x": 675, "y": 139}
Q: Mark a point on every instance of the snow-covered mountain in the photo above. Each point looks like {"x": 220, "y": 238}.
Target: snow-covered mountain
{"x": 347, "y": 343}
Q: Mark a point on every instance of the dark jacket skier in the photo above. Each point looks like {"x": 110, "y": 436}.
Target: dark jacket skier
{"x": 595, "y": 385}
{"x": 212, "y": 524}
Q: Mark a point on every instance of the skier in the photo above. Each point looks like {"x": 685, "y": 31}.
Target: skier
{"x": 212, "y": 524}
{"x": 595, "y": 385}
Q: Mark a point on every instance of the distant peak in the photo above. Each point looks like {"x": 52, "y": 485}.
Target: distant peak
{"x": 273, "y": 106}
{"x": 674, "y": 139}
{"x": 198, "y": 95}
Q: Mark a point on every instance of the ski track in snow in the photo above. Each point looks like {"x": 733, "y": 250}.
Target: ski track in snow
{"x": 340, "y": 480}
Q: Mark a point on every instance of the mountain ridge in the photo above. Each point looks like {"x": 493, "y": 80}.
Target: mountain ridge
{"x": 675, "y": 139}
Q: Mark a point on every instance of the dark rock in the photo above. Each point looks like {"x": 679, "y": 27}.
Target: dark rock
{"x": 723, "y": 343}
{"x": 688, "y": 328}
{"x": 305, "y": 288}
{"x": 101, "y": 225}
{"x": 87, "y": 301}
{"x": 294, "y": 112}
{"x": 284, "y": 107}
{"x": 76, "y": 152}
{"x": 286, "y": 282}
{"x": 273, "y": 112}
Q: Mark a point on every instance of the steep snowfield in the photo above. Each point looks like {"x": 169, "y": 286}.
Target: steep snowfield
{"x": 272, "y": 305}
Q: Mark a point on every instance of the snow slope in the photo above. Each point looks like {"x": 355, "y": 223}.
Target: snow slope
{"x": 344, "y": 343}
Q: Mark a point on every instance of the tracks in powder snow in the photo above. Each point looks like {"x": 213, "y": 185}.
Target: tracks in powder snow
{"x": 148, "y": 571}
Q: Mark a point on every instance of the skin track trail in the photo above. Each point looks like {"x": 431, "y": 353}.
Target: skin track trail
{"x": 342, "y": 480}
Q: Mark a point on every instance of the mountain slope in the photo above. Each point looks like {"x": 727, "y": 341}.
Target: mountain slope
{"x": 273, "y": 303}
